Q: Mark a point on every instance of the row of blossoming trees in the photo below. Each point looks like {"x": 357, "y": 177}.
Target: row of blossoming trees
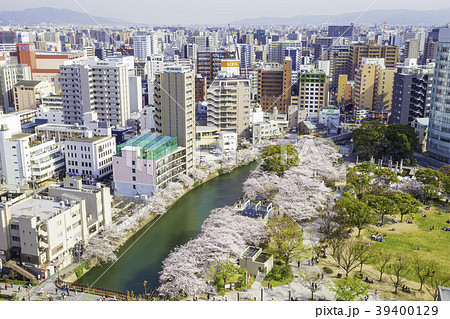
{"x": 299, "y": 191}
{"x": 102, "y": 247}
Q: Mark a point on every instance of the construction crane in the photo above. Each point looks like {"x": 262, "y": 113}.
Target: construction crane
{"x": 234, "y": 41}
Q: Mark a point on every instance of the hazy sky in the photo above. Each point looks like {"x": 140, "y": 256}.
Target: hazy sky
{"x": 212, "y": 11}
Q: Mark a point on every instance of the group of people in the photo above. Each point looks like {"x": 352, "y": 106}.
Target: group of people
{"x": 378, "y": 237}
{"x": 406, "y": 288}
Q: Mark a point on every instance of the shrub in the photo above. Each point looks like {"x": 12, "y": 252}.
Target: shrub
{"x": 327, "y": 270}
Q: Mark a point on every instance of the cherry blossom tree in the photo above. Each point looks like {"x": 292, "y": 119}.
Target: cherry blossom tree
{"x": 224, "y": 236}
{"x": 185, "y": 180}
{"x": 198, "y": 175}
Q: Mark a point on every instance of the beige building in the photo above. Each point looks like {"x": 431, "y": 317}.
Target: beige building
{"x": 29, "y": 94}
{"x": 373, "y": 85}
{"x": 229, "y": 105}
{"x": 357, "y": 52}
{"x": 175, "y": 107}
{"x": 342, "y": 82}
{"x": 412, "y": 49}
{"x": 43, "y": 231}
{"x": 255, "y": 261}
{"x": 207, "y": 136}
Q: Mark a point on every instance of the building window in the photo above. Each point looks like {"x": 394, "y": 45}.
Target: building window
{"x": 134, "y": 186}
{"x": 15, "y": 238}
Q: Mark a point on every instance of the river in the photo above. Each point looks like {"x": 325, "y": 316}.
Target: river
{"x": 146, "y": 250}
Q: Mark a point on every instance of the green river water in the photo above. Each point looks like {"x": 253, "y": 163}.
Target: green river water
{"x": 182, "y": 222}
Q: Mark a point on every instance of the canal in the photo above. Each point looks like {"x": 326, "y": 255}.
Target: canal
{"x": 142, "y": 259}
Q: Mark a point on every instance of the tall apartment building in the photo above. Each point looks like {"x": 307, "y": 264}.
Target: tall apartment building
{"x": 246, "y": 56}
{"x": 200, "y": 88}
{"x": 357, "y": 52}
{"x": 229, "y": 105}
{"x": 341, "y": 31}
{"x": 274, "y": 86}
{"x": 411, "y": 96}
{"x": 412, "y": 49}
{"x": 438, "y": 142}
{"x": 98, "y": 86}
{"x": 338, "y": 65}
{"x": 373, "y": 85}
{"x": 277, "y": 50}
{"x": 26, "y": 158}
{"x": 175, "y": 107}
{"x": 89, "y": 157}
{"x": 209, "y": 62}
{"x": 313, "y": 93}
{"x": 10, "y": 75}
{"x": 145, "y": 46}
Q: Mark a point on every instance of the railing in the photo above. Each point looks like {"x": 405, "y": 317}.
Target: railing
{"x": 94, "y": 290}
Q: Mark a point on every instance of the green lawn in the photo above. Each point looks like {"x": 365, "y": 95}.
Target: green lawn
{"x": 406, "y": 238}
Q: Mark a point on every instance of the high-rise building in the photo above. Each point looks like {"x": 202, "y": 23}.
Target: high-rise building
{"x": 438, "y": 142}
{"x": 229, "y": 105}
{"x": 29, "y": 94}
{"x": 313, "y": 93}
{"x": 102, "y": 87}
{"x": 357, "y": 52}
{"x": 411, "y": 97}
{"x": 412, "y": 49}
{"x": 200, "y": 88}
{"x": 340, "y": 31}
{"x": 10, "y": 75}
{"x": 373, "y": 85}
{"x": 175, "y": 107}
{"x": 274, "y": 86}
{"x": 246, "y": 56}
{"x": 277, "y": 50}
{"x": 209, "y": 62}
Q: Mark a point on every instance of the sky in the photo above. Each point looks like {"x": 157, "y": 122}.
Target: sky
{"x": 215, "y": 12}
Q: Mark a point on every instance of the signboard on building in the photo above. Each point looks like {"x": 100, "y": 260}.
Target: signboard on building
{"x": 230, "y": 63}
{"x": 211, "y": 289}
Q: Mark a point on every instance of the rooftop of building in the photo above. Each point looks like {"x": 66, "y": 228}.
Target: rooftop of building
{"x": 152, "y": 146}
{"x": 42, "y": 208}
{"x": 28, "y": 83}
{"x": 92, "y": 139}
{"x": 424, "y": 121}
{"x": 19, "y": 136}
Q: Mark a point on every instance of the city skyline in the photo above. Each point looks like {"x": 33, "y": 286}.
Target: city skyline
{"x": 198, "y": 12}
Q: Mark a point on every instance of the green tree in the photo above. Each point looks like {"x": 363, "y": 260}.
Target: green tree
{"x": 369, "y": 138}
{"x": 429, "y": 176}
{"x": 401, "y": 141}
{"x": 381, "y": 205}
{"x": 406, "y": 204}
{"x": 349, "y": 289}
{"x": 385, "y": 177}
{"x": 311, "y": 281}
{"x": 278, "y": 159}
{"x": 445, "y": 170}
{"x": 366, "y": 167}
{"x": 287, "y": 237}
{"x": 357, "y": 181}
{"x": 353, "y": 212}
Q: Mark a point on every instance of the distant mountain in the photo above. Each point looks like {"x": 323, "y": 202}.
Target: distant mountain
{"x": 54, "y": 16}
{"x": 393, "y": 17}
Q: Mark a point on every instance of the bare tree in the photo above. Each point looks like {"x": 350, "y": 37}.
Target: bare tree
{"x": 382, "y": 263}
{"x": 312, "y": 281}
{"x": 434, "y": 282}
{"x": 364, "y": 254}
{"x": 348, "y": 253}
{"x": 423, "y": 269}
{"x": 398, "y": 269}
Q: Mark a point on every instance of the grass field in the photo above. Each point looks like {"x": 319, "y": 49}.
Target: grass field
{"x": 406, "y": 238}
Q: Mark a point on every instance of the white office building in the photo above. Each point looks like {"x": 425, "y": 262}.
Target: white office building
{"x": 89, "y": 157}
{"x": 26, "y": 158}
